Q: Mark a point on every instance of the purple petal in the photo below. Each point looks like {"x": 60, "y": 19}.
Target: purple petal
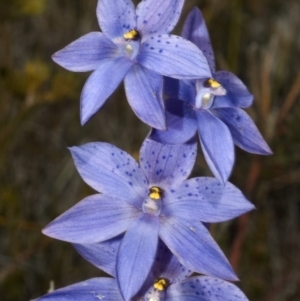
{"x": 217, "y": 144}
{"x": 96, "y": 218}
{"x": 111, "y": 171}
{"x": 100, "y": 85}
{"x": 195, "y": 30}
{"x": 243, "y": 130}
{"x": 103, "y": 255}
{"x": 89, "y": 290}
{"x": 180, "y": 89}
{"x": 181, "y": 123}
{"x": 86, "y": 53}
{"x": 237, "y": 93}
{"x": 173, "y": 56}
{"x": 158, "y": 16}
{"x": 203, "y": 288}
{"x": 144, "y": 93}
{"x": 116, "y": 19}
{"x": 166, "y": 165}
{"x": 167, "y": 266}
{"x": 194, "y": 247}
{"x": 205, "y": 199}
{"x": 136, "y": 255}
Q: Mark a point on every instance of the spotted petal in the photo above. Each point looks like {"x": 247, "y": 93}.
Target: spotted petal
{"x": 158, "y": 16}
{"x": 195, "y": 30}
{"x": 244, "y": 132}
{"x": 173, "y": 56}
{"x": 103, "y": 255}
{"x": 166, "y": 165}
{"x": 194, "y": 247}
{"x": 205, "y": 199}
{"x": 89, "y": 290}
{"x": 100, "y": 85}
{"x": 144, "y": 93}
{"x": 204, "y": 288}
{"x": 86, "y": 53}
{"x": 136, "y": 255}
{"x": 217, "y": 144}
{"x": 237, "y": 93}
{"x": 111, "y": 171}
{"x": 96, "y": 218}
{"x": 181, "y": 123}
{"x": 116, "y": 19}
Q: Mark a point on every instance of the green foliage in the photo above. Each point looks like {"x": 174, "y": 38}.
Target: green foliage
{"x": 17, "y": 8}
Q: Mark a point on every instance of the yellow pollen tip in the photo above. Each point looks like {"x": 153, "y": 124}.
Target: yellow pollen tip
{"x": 212, "y": 83}
{"x": 160, "y": 284}
{"x": 155, "y": 193}
{"x": 132, "y": 34}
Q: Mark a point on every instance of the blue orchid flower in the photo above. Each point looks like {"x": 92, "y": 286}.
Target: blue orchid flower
{"x": 149, "y": 201}
{"x": 167, "y": 281}
{"x": 134, "y": 45}
{"x": 213, "y": 107}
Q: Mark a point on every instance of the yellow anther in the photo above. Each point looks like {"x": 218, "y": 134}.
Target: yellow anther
{"x": 155, "y": 193}
{"x": 212, "y": 83}
{"x": 132, "y": 34}
{"x": 161, "y": 284}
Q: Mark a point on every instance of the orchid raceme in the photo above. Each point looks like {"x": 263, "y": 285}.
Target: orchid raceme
{"x": 213, "y": 107}
{"x": 149, "y": 201}
{"x": 167, "y": 281}
{"x": 134, "y": 45}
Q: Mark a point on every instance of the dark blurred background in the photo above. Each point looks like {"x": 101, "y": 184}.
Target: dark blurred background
{"x": 259, "y": 40}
